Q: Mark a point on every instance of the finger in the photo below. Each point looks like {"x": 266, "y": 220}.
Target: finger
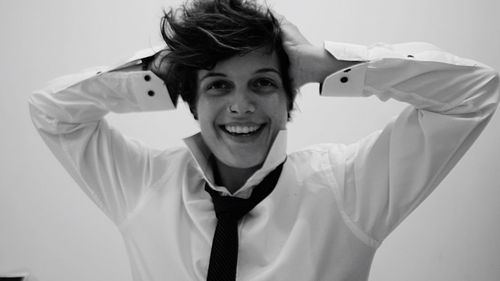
{"x": 159, "y": 65}
{"x": 290, "y": 32}
{"x": 279, "y": 17}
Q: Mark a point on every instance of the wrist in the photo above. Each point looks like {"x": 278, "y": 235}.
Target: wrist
{"x": 321, "y": 64}
{"x": 325, "y": 63}
{"x": 316, "y": 64}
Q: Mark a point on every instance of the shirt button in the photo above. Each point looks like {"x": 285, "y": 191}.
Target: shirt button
{"x": 147, "y": 77}
{"x": 344, "y": 79}
{"x": 151, "y": 93}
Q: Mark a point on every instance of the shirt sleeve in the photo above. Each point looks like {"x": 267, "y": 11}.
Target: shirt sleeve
{"x": 390, "y": 172}
{"x": 112, "y": 170}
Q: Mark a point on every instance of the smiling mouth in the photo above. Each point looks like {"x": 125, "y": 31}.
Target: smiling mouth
{"x": 241, "y": 130}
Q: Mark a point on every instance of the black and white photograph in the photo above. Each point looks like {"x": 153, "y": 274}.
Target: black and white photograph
{"x": 250, "y": 140}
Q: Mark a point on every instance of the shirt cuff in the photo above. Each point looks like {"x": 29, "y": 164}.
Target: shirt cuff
{"x": 350, "y": 81}
{"x": 149, "y": 90}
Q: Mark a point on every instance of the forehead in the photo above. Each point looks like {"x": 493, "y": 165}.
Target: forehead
{"x": 245, "y": 64}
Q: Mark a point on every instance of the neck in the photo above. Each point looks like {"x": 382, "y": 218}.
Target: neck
{"x": 230, "y": 177}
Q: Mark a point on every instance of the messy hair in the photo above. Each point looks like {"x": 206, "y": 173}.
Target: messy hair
{"x": 202, "y": 33}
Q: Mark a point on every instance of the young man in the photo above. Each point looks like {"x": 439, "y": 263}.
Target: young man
{"x": 233, "y": 205}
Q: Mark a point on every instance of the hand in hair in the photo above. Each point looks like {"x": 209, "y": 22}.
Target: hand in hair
{"x": 308, "y": 63}
{"x": 158, "y": 65}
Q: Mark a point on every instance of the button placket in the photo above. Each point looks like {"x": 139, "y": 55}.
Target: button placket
{"x": 344, "y": 79}
{"x": 147, "y": 78}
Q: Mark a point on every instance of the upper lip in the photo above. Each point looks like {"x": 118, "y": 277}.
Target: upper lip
{"x": 242, "y": 124}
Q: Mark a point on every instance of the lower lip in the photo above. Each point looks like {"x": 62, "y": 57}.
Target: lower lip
{"x": 244, "y": 138}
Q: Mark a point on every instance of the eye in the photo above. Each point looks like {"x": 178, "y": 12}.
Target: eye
{"x": 264, "y": 84}
{"x": 218, "y": 87}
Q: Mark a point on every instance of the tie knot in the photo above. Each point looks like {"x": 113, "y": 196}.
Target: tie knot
{"x": 234, "y": 208}
{"x": 230, "y": 208}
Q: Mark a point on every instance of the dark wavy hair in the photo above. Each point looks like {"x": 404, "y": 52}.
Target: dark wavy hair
{"x": 202, "y": 33}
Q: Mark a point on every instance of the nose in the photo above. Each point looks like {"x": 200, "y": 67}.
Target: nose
{"x": 241, "y": 104}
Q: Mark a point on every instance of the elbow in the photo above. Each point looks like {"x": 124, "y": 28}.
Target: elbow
{"x": 43, "y": 112}
{"x": 492, "y": 91}
{"x": 495, "y": 81}
{"x": 485, "y": 93}
{"x": 33, "y": 106}
{"x": 38, "y": 118}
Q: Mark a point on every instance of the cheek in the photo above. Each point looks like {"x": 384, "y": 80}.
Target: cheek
{"x": 278, "y": 110}
{"x": 203, "y": 113}
{"x": 207, "y": 112}
{"x": 202, "y": 107}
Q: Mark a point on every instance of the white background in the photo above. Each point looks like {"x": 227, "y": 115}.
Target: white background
{"x": 49, "y": 228}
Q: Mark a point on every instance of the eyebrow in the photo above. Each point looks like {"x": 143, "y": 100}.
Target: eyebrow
{"x": 269, "y": 69}
{"x": 219, "y": 74}
{"x": 213, "y": 74}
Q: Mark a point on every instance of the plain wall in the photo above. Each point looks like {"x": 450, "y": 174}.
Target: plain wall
{"x": 51, "y": 229}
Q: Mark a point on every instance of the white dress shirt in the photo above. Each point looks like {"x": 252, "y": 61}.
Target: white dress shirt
{"x": 333, "y": 205}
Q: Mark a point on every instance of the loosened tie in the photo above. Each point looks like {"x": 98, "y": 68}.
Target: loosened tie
{"x": 229, "y": 210}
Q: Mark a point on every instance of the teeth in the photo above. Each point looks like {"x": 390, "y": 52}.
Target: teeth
{"x": 241, "y": 129}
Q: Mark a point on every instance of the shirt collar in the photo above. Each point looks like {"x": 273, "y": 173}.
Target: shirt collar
{"x": 201, "y": 154}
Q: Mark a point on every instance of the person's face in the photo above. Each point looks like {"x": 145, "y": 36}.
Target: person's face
{"x": 241, "y": 106}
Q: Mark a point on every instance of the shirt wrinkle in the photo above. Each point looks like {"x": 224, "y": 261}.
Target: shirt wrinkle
{"x": 167, "y": 219}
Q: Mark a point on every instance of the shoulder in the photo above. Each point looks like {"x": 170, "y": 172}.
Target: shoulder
{"x": 314, "y": 154}
{"x": 171, "y": 162}
{"x": 324, "y": 162}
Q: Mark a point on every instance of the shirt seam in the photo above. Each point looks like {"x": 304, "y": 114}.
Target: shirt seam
{"x": 140, "y": 203}
{"x": 88, "y": 189}
{"x": 143, "y": 199}
{"x": 355, "y": 228}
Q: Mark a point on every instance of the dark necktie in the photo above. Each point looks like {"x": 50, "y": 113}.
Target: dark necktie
{"x": 229, "y": 210}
